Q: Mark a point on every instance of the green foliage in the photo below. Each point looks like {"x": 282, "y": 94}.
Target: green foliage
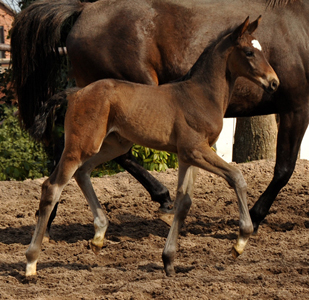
{"x": 156, "y": 160}
{"x": 20, "y": 156}
{"x": 150, "y": 159}
{"x": 108, "y": 168}
{"x": 5, "y": 87}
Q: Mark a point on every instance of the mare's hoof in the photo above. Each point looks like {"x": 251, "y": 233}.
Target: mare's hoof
{"x": 167, "y": 210}
{"x": 166, "y": 218}
{"x": 254, "y": 233}
{"x": 46, "y": 239}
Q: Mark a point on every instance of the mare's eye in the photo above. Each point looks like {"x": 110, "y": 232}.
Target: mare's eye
{"x": 249, "y": 53}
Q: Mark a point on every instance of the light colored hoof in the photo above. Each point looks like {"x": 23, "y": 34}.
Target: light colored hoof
{"x": 96, "y": 247}
{"x": 31, "y": 269}
{"x": 166, "y": 218}
{"x": 236, "y": 252}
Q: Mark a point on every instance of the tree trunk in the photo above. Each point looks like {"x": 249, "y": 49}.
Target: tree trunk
{"x": 255, "y": 138}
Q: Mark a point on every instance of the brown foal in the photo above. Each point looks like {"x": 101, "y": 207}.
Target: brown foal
{"x": 105, "y": 118}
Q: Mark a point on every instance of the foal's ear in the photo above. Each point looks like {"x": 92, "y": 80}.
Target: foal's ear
{"x": 240, "y": 30}
{"x": 254, "y": 25}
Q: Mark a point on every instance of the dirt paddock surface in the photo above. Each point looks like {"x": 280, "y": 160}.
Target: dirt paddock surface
{"x": 275, "y": 264}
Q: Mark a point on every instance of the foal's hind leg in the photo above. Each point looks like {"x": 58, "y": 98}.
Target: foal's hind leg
{"x": 204, "y": 157}
{"x": 51, "y": 190}
{"x": 186, "y": 178}
{"x": 112, "y": 147}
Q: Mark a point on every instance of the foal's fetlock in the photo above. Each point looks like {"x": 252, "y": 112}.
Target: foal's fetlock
{"x": 168, "y": 262}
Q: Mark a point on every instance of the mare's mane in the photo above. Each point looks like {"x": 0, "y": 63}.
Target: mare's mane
{"x": 212, "y": 43}
{"x": 280, "y": 3}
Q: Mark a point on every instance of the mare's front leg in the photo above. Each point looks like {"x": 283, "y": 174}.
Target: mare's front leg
{"x": 158, "y": 192}
{"x": 204, "y": 157}
{"x": 186, "y": 178}
{"x": 292, "y": 128}
{"x": 51, "y": 190}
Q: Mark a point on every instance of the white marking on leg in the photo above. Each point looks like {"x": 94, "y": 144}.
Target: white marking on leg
{"x": 100, "y": 230}
{"x": 256, "y": 44}
{"x": 31, "y": 268}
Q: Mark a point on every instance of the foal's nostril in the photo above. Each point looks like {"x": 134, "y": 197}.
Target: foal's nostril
{"x": 274, "y": 85}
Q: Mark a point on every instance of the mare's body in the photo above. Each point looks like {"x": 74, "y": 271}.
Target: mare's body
{"x": 154, "y": 42}
{"x": 105, "y": 118}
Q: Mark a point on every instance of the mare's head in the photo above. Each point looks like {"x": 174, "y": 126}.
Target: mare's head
{"x": 248, "y": 60}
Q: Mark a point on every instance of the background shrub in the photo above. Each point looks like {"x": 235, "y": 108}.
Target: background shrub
{"x": 20, "y": 156}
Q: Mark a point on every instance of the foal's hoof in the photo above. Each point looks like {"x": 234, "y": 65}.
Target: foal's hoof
{"x": 95, "y": 248}
{"x": 170, "y": 271}
{"x": 236, "y": 252}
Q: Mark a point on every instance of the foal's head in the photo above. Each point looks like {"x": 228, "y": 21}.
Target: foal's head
{"x": 248, "y": 60}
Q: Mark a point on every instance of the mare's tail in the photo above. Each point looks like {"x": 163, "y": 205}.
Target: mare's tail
{"x": 35, "y": 37}
{"x": 47, "y": 110}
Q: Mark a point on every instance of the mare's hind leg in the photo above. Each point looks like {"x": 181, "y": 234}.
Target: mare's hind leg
{"x": 204, "y": 157}
{"x": 292, "y": 128}
{"x": 158, "y": 192}
{"x": 51, "y": 190}
{"x": 112, "y": 147}
{"x": 186, "y": 178}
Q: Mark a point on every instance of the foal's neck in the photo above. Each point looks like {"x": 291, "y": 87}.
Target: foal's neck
{"x": 211, "y": 73}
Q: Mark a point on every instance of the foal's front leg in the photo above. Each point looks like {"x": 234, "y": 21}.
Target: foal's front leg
{"x": 186, "y": 178}
{"x": 205, "y": 158}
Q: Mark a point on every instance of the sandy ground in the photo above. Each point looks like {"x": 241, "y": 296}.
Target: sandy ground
{"x": 275, "y": 264}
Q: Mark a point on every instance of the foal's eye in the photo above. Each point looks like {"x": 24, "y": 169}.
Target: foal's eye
{"x": 249, "y": 53}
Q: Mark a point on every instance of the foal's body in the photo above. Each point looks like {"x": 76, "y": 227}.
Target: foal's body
{"x": 105, "y": 118}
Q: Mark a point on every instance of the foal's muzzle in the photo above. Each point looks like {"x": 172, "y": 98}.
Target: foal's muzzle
{"x": 272, "y": 86}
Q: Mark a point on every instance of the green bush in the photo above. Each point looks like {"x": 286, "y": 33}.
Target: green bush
{"x": 20, "y": 156}
{"x": 150, "y": 159}
{"x": 154, "y": 160}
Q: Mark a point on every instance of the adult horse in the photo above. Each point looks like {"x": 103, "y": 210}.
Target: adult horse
{"x": 157, "y": 41}
{"x": 105, "y": 118}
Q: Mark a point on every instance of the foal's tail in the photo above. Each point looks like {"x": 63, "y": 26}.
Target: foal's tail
{"x": 47, "y": 111}
{"x": 35, "y": 37}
